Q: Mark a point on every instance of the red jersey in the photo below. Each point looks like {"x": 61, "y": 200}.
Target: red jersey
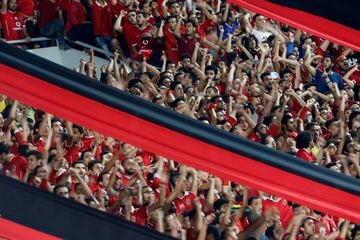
{"x": 17, "y": 164}
{"x": 40, "y": 144}
{"x": 103, "y": 19}
{"x": 305, "y": 155}
{"x": 185, "y": 203}
{"x": 27, "y": 7}
{"x": 171, "y": 45}
{"x": 205, "y": 27}
{"x": 72, "y": 153}
{"x": 76, "y": 15}
{"x": 132, "y": 35}
{"x": 13, "y": 25}
{"x": 187, "y": 46}
{"x": 49, "y": 11}
{"x": 285, "y": 211}
{"x": 140, "y": 215}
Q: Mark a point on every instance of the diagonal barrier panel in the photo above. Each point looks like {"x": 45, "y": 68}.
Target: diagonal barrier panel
{"x": 337, "y": 21}
{"x": 65, "y": 93}
{"x": 56, "y": 216}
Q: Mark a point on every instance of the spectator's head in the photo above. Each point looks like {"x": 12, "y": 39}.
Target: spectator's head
{"x": 327, "y": 62}
{"x": 140, "y": 18}
{"x": 185, "y": 60}
{"x": 61, "y": 190}
{"x": 171, "y": 20}
{"x": 298, "y": 209}
{"x": 40, "y": 172}
{"x": 57, "y": 126}
{"x": 86, "y": 156}
{"x": 132, "y": 17}
{"x": 286, "y": 75}
{"x": 129, "y": 165}
{"x": 259, "y": 21}
{"x": 303, "y": 140}
{"x": 270, "y": 142}
{"x": 4, "y": 152}
{"x": 145, "y": 7}
{"x": 333, "y": 166}
{"x": 342, "y": 63}
{"x": 211, "y": 72}
{"x": 314, "y": 128}
{"x": 34, "y": 157}
{"x": 190, "y": 28}
{"x": 78, "y": 133}
{"x": 95, "y": 167}
{"x": 255, "y": 204}
{"x": 80, "y": 167}
{"x": 288, "y": 122}
{"x": 105, "y": 156}
{"x": 333, "y": 127}
{"x": 267, "y": 80}
{"x": 148, "y": 195}
{"x": 103, "y": 179}
{"x": 308, "y": 226}
{"x": 177, "y": 89}
{"x": 13, "y": 5}
{"x": 174, "y": 8}
{"x": 179, "y": 105}
{"x": 171, "y": 67}
{"x": 219, "y": 101}
{"x": 354, "y": 120}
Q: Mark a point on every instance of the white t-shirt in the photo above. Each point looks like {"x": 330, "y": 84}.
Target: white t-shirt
{"x": 261, "y": 36}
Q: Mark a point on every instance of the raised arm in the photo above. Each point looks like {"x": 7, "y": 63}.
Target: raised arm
{"x": 308, "y": 60}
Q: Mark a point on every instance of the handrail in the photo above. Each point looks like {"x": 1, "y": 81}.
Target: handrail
{"x": 85, "y": 45}
{"x": 20, "y": 41}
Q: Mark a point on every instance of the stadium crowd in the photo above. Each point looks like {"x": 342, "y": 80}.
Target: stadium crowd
{"x": 212, "y": 61}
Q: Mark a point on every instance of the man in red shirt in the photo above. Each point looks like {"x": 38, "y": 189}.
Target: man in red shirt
{"x": 171, "y": 44}
{"x": 304, "y": 142}
{"x": 51, "y": 22}
{"x": 77, "y": 28}
{"x": 12, "y": 21}
{"x": 129, "y": 30}
{"x": 12, "y": 165}
{"x": 103, "y": 24}
{"x": 188, "y": 40}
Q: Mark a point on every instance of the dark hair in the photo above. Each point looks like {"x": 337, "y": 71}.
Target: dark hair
{"x": 77, "y": 162}
{"x": 60, "y": 186}
{"x": 351, "y": 118}
{"x": 303, "y": 139}
{"x": 83, "y": 154}
{"x": 211, "y": 68}
{"x": 184, "y": 56}
{"x": 36, "y": 169}
{"x": 92, "y": 164}
{"x": 4, "y": 148}
{"x": 265, "y": 74}
{"x": 218, "y": 203}
{"x": 101, "y": 176}
{"x": 256, "y": 16}
{"x": 286, "y": 118}
{"x": 283, "y": 72}
{"x": 81, "y": 129}
{"x": 37, "y": 154}
{"x": 251, "y": 199}
{"x": 190, "y": 21}
{"x": 330, "y": 57}
{"x": 329, "y": 165}
{"x": 174, "y": 84}
{"x": 103, "y": 153}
